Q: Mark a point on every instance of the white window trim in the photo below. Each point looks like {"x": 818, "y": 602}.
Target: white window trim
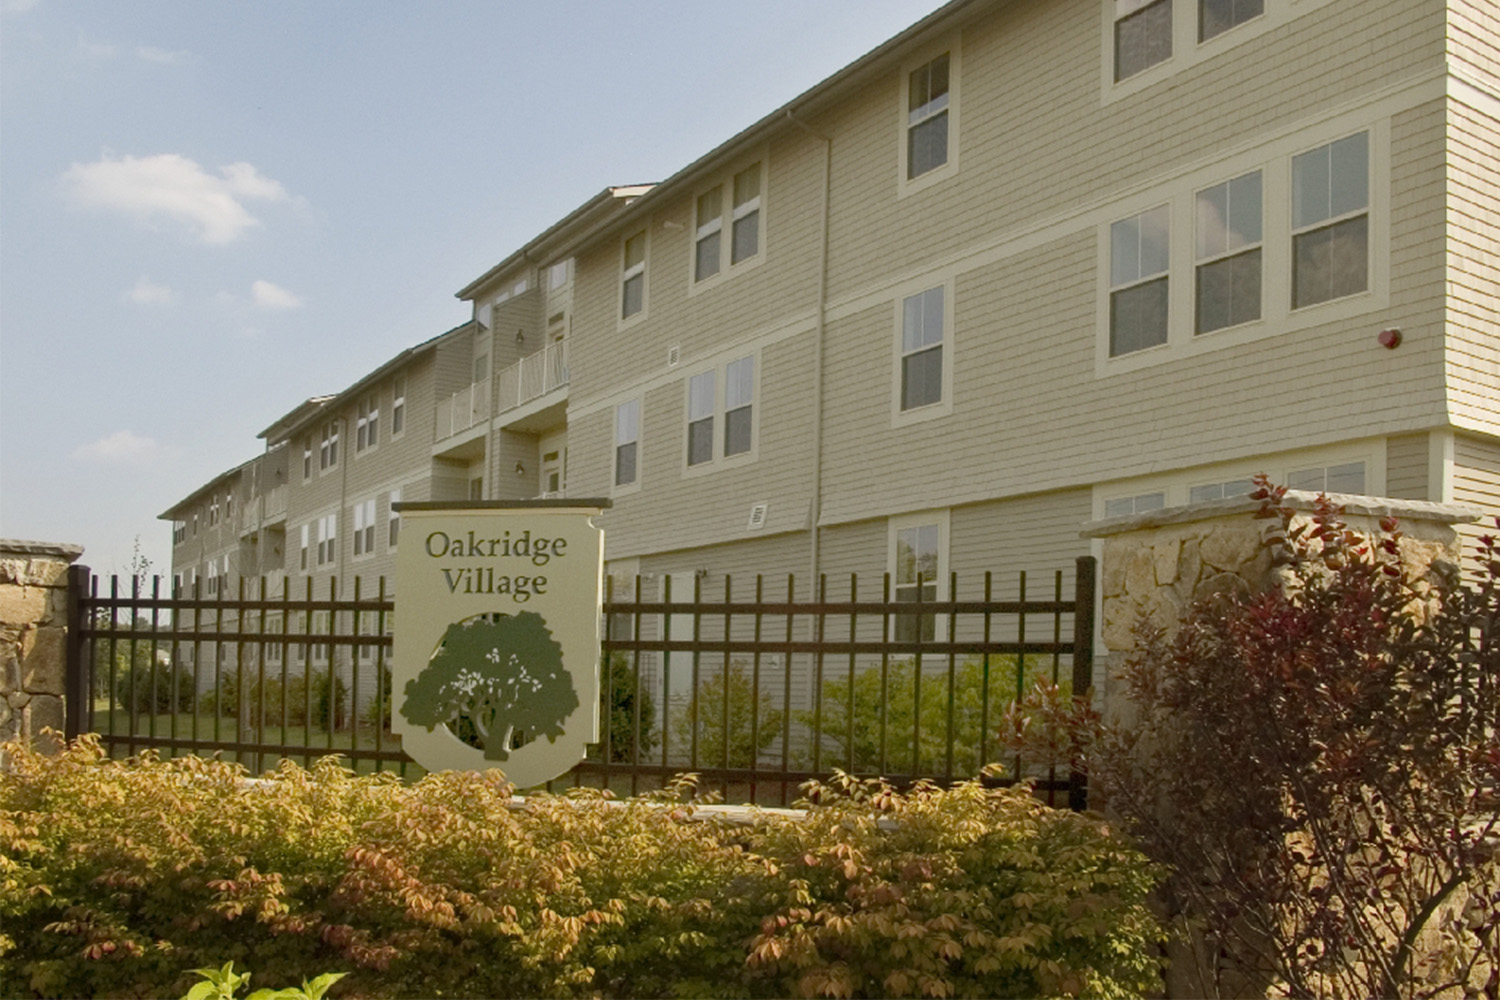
{"x": 634, "y": 486}
{"x": 362, "y": 515}
{"x": 330, "y": 443}
{"x": 1277, "y": 317}
{"x": 936, "y": 175}
{"x": 622, "y": 321}
{"x": 944, "y": 406}
{"x": 719, "y": 459}
{"x": 367, "y": 412}
{"x": 1177, "y": 485}
{"x": 1187, "y": 51}
{"x": 1217, "y": 257}
{"x": 398, "y": 402}
{"x": 942, "y": 518}
{"x": 392, "y": 517}
{"x": 724, "y": 181}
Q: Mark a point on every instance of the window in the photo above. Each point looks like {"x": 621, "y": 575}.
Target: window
{"x": 228, "y": 507}
{"x": 179, "y": 532}
{"x": 1121, "y": 506}
{"x": 1143, "y": 35}
{"x": 738, "y": 412}
{"x": 1217, "y": 16}
{"x": 557, "y": 275}
{"x": 918, "y": 564}
{"x": 364, "y": 527}
{"x": 1220, "y": 491}
{"x": 627, "y": 441}
{"x": 633, "y": 276}
{"x": 393, "y": 520}
{"x": 1331, "y": 221}
{"x": 1138, "y": 281}
{"x": 328, "y": 451}
{"x": 739, "y": 395}
{"x": 195, "y": 523}
{"x": 213, "y": 512}
{"x": 1346, "y": 478}
{"x": 927, "y": 117}
{"x": 210, "y": 571}
{"x": 745, "y": 238}
{"x": 307, "y": 453}
{"x": 367, "y": 424}
{"x": 302, "y": 563}
{"x": 710, "y": 224}
{"x": 327, "y": 539}
{"x": 398, "y": 406}
{"x": 701, "y": 418}
{"x": 1228, "y": 236}
{"x": 922, "y": 349}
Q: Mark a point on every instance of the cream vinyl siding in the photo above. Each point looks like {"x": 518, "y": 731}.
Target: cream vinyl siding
{"x": 1471, "y": 39}
{"x": 1407, "y": 458}
{"x": 1473, "y": 264}
{"x": 1476, "y": 481}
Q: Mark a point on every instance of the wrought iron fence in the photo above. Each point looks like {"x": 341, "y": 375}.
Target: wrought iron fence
{"x": 752, "y": 689}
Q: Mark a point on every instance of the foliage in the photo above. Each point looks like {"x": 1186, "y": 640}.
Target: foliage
{"x": 267, "y": 699}
{"x": 621, "y": 696}
{"x": 223, "y": 984}
{"x": 1320, "y": 764}
{"x": 729, "y": 717}
{"x": 116, "y": 876}
{"x": 491, "y": 674}
{"x": 151, "y": 688}
{"x": 377, "y": 711}
{"x": 884, "y": 708}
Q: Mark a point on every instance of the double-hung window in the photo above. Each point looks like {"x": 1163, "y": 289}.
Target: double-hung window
{"x": 700, "y": 444}
{"x": 1138, "y": 281}
{"x": 706, "y": 236}
{"x": 307, "y": 453}
{"x": 745, "y": 236}
{"x": 367, "y": 424}
{"x": 927, "y": 117}
{"x": 1217, "y": 16}
{"x": 633, "y": 276}
{"x": 328, "y": 451}
{"x": 327, "y": 539}
{"x": 1331, "y": 221}
{"x": 302, "y": 563}
{"x": 393, "y": 520}
{"x": 922, "y": 318}
{"x": 1143, "y": 35}
{"x": 739, "y": 397}
{"x": 364, "y": 527}
{"x": 627, "y": 442}
{"x": 917, "y": 556}
{"x": 398, "y": 406}
{"x": 1228, "y": 217}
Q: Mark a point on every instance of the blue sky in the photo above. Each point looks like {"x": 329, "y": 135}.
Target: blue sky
{"x": 210, "y": 211}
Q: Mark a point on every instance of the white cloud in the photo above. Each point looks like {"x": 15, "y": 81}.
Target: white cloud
{"x": 147, "y": 293}
{"x": 175, "y": 187}
{"x": 153, "y": 54}
{"x": 119, "y": 448}
{"x": 269, "y": 296}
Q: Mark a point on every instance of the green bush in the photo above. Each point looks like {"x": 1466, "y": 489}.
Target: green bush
{"x": 148, "y": 688}
{"x": 269, "y": 699}
{"x": 120, "y": 878}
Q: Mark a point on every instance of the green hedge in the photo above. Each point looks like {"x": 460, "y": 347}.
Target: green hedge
{"x": 117, "y": 878}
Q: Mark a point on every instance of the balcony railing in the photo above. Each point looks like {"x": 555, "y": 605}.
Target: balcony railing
{"x": 267, "y": 508}
{"x": 533, "y": 376}
{"x": 464, "y": 409}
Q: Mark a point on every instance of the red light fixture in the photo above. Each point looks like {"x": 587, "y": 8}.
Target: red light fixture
{"x": 1390, "y": 339}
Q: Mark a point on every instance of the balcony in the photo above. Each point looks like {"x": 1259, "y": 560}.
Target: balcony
{"x": 259, "y": 511}
{"x": 533, "y": 377}
{"x": 469, "y": 407}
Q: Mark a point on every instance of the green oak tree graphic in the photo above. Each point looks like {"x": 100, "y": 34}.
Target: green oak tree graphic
{"x": 492, "y": 678}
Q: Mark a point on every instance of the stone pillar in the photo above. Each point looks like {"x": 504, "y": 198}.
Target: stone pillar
{"x": 1157, "y": 563}
{"x": 33, "y": 636}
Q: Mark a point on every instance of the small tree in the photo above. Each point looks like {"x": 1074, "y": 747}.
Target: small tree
{"x": 744, "y": 737}
{"x": 627, "y": 740}
{"x": 1320, "y": 765}
{"x": 494, "y": 675}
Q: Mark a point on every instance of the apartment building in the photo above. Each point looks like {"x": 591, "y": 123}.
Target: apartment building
{"x": 1030, "y": 263}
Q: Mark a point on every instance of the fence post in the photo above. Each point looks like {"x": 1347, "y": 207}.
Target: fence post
{"x": 1084, "y": 582}
{"x": 76, "y": 702}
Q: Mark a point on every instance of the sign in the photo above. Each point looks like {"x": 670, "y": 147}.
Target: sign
{"x": 496, "y": 652}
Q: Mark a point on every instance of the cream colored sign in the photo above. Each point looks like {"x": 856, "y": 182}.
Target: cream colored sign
{"x": 496, "y": 659}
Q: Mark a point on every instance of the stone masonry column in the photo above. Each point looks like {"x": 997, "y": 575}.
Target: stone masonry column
{"x": 33, "y": 637}
{"x": 1157, "y": 563}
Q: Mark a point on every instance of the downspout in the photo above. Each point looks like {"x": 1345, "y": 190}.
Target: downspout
{"x": 815, "y": 511}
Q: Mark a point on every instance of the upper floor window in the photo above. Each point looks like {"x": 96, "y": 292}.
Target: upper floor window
{"x": 302, "y": 560}
{"x": 927, "y": 117}
{"x": 737, "y": 413}
{"x": 328, "y": 450}
{"x": 398, "y": 405}
{"x": 1217, "y": 16}
{"x": 307, "y": 453}
{"x": 364, "y": 527}
{"x": 367, "y": 425}
{"x": 179, "y": 532}
{"x": 731, "y": 206}
{"x": 1228, "y": 218}
{"x": 706, "y": 237}
{"x": 1143, "y": 35}
{"x": 922, "y": 349}
{"x": 745, "y": 238}
{"x": 328, "y": 527}
{"x": 557, "y": 275}
{"x": 213, "y": 512}
{"x": 1331, "y": 221}
{"x": 393, "y": 520}
{"x": 633, "y": 276}
{"x": 627, "y": 442}
{"x": 1138, "y": 281}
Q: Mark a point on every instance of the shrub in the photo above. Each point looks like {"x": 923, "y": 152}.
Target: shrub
{"x": 120, "y": 878}
{"x": 1320, "y": 764}
{"x": 148, "y": 688}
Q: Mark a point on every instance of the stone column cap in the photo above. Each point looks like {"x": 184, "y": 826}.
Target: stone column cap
{"x": 57, "y": 550}
{"x": 1354, "y": 504}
